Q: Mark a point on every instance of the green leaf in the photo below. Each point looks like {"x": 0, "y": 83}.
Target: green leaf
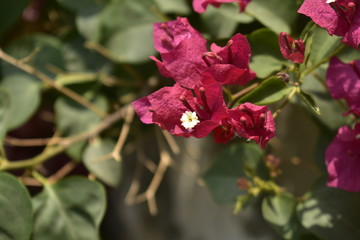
{"x": 278, "y": 15}
{"x": 221, "y": 22}
{"x": 106, "y": 169}
{"x": 88, "y": 20}
{"x": 309, "y": 101}
{"x": 269, "y": 91}
{"x": 24, "y": 92}
{"x": 266, "y": 57}
{"x": 279, "y": 211}
{"x": 323, "y": 45}
{"x": 10, "y": 11}
{"x": 331, "y": 117}
{"x": 331, "y": 213}
{"x": 71, "y": 209}
{"x": 180, "y": 7}
{"x": 5, "y": 106}
{"x": 49, "y": 55}
{"x": 232, "y": 163}
{"x": 73, "y": 118}
{"x": 129, "y": 38}
{"x": 16, "y": 210}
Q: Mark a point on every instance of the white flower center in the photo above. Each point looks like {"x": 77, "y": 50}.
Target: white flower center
{"x": 189, "y": 120}
{"x": 330, "y": 1}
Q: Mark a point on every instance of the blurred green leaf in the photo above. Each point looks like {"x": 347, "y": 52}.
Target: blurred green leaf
{"x": 266, "y": 57}
{"x": 279, "y": 211}
{"x": 180, "y": 7}
{"x": 221, "y": 22}
{"x": 73, "y": 118}
{"x": 129, "y": 38}
{"x": 16, "y": 215}
{"x": 25, "y": 97}
{"x": 231, "y": 164}
{"x": 5, "y": 108}
{"x": 107, "y": 169}
{"x": 87, "y": 16}
{"x": 331, "y": 111}
{"x": 331, "y": 213}
{"x": 10, "y": 11}
{"x": 269, "y": 91}
{"x": 309, "y": 101}
{"x": 323, "y": 45}
{"x": 49, "y": 55}
{"x": 71, "y": 209}
{"x": 278, "y": 15}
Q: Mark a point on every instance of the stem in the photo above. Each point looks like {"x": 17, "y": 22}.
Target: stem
{"x": 51, "y": 151}
{"x": 239, "y": 94}
{"x": 66, "y": 91}
{"x": 287, "y": 100}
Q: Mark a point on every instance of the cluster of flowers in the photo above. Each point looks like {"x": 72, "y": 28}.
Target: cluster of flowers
{"x": 194, "y": 105}
{"x": 341, "y": 18}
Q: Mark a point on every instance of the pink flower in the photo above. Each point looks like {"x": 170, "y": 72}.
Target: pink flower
{"x": 291, "y": 49}
{"x": 340, "y": 17}
{"x": 178, "y": 111}
{"x": 343, "y": 159}
{"x": 186, "y": 59}
{"x": 253, "y": 122}
{"x": 201, "y": 5}
{"x": 343, "y": 81}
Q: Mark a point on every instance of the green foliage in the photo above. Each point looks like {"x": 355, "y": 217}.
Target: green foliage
{"x": 5, "y": 106}
{"x": 331, "y": 213}
{"x": 266, "y": 57}
{"x": 278, "y": 15}
{"x": 234, "y": 162}
{"x": 73, "y": 118}
{"x": 279, "y": 211}
{"x": 98, "y": 160}
{"x": 269, "y": 91}
{"x": 9, "y": 17}
{"x": 60, "y": 215}
{"x": 16, "y": 210}
{"x": 21, "y": 88}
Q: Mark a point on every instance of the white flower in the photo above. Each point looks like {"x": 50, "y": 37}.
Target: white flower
{"x": 189, "y": 120}
{"x": 330, "y": 1}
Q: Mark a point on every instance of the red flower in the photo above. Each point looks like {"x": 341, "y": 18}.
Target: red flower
{"x": 186, "y": 59}
{"x": 201, "y": 5}
{"x": 343, "y": 159}
{"x": 178, "y": 111}
{"x": 339, "y": 17}
{"x": 253, "y": 122}
{"x": 343, "y": 81}
{"x": 291, "y": 49}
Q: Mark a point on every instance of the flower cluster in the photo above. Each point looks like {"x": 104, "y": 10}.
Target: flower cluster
{"x": 194, "y": 105}
{"x": 291, "y": 49}
{"x": 339, "y": 17}
{"x": 343, "y": 154}
{"x": 200, "y": 5}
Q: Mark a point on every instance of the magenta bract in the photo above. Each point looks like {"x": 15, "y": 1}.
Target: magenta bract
{"x": 343, "y": 81}
{"x": 253, "y": 122}
{"x": 201, "y": 5}
{"x": 343, "y": 159}
{"x": 291, "y": 49}
{"x": 341, "y": 18}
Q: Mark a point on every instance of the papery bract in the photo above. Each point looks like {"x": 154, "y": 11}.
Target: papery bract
{"x": 343, "y": 81}
{"x": 341, "y": 18}
{"x": 343, "y": 159}
{"x": 189, "y": 61}
{"x": 166, "y": 107}
{"x": 291, "y": 49}
{"x": 201, "y": 5}
{"x": 253, "y": 122}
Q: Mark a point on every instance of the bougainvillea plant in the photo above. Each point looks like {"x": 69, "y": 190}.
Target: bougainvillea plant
{"x": 110, "y": 104}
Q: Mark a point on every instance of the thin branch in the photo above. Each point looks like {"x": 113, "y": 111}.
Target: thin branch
{"x": 51, "y": 150}
{"x": 135, "y": 185}
{"x": 124, "y": 133}
{"x": 62, "y": 172}
{"x": 244, "y": 91}
{"x": 66, "y": 91}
